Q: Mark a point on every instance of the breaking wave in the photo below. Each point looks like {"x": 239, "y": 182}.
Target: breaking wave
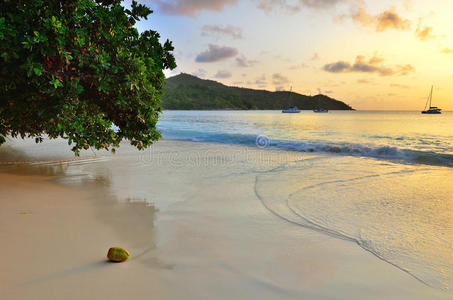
{"x": 350, "y": 149}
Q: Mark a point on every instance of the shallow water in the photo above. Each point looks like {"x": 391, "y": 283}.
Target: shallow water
{"x": 401, "y": 213}
{"x": 384, "y": 179}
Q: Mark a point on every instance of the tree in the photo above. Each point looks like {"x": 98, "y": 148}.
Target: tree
{"x": 74, "y": 68}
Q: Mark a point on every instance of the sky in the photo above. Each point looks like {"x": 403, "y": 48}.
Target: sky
{"x": 373, "y": 55}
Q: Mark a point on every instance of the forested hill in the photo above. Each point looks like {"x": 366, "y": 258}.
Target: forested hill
{"x": 187, "y": 92}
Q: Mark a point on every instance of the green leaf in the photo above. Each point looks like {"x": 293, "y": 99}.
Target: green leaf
{"x": 38, "y": 71}
{"x": 55, "y": 82}
{"x": 77, "y": 88}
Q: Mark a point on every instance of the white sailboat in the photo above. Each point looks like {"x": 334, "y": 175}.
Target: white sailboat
{"x": 433, "y": 110}
{"x": 291, "y": 110}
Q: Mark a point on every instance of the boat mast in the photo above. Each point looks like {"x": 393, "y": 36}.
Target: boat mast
{"x": 430, "y": 97}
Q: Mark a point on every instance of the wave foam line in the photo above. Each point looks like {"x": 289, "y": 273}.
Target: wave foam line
{"x": 350, "y": 149}
{"x": 309, "y": 224}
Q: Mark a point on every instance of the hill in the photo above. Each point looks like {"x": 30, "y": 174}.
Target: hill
{"x": 187, "y": 92}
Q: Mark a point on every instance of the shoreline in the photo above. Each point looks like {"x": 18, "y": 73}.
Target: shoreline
{"x": 190, "y": 229}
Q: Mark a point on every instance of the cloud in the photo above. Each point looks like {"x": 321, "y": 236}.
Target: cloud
{"x": 404, "y": 69}
{"x": 361, "y": 65}
{"x": 391, "y": 19}
{"x": 279, "y": 79}
{"x": 337, "y": 67}
{"x": 216, "y": 53}
{"x": 216, "y": 31}
{"x": 424, "y": 33}
{"x": 376, "y": 59}
{"x": 271, "y": 5}
{"x": 381, "y": 22}
{"x": 320, "y": 3}
{"x": 191, "y": 7}
{"x": 223, "y": 74}
{"x": 400, "y": 86}
{"x": 261, "y": 80}
{"x": 296, "y": 5}
{"x": 200, "y": 73}
{"x": 447, "y": 51}
{"x": 315, "y": 56}
{"x": 298, "y": 66}
{"x": 358, "y": 12}
{"x": 243, "y": 62}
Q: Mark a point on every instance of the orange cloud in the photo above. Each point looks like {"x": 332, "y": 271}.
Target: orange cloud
{"x": 391, "y": 19}
{"x": 424, "y": 33}
{"x": 381, "y": 22}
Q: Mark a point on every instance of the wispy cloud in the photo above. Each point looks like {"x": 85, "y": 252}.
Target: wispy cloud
{"x": 223, "y": 74}
{"x": 363, "y": 81}
{"x": 261, "y": 80}
{"x": 191, "y": 7}
{"x": 221, "y": 31}
{"x": 243, "y": 62}
{"x": 424, "y": 33}
{"x": 400, "y": 86}
{"x": 298, "y": 66}
{"x": 380, "y": 22}
{"x": 200, "y": 73}
{"x": 447, "y": 51}
{"x": 315, "y": 56}
{"x": 296, "y": 5}
{"x": 216, "y": 53}
{"x": 358, "y": 12}
{"x": 361, "y": 65}
{"x": 391, "y": 19}
{"x": 279, "y": 79}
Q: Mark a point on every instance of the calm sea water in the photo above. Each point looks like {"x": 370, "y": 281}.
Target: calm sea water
{"x": 383, "y": 180}
{"x": 406, "y": 136}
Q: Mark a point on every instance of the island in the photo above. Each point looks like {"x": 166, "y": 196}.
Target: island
{"x": 188, "y": 92}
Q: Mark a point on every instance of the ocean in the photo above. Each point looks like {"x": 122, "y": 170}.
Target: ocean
{"x": 383, "y": 180}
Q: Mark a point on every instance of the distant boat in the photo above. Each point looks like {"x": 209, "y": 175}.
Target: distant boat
{"x": 320, "y": 110}
{"x": 291, "y": 110}
{"x": 433, "y": 110}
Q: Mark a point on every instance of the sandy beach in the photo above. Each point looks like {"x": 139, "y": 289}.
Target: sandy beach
{"x": 190, "y": 216}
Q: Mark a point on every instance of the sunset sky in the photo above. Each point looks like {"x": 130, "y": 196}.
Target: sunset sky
{"x": 370, "y": 54}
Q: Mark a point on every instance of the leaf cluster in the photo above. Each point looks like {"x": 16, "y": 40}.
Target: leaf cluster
{"x": 75, "y": 68}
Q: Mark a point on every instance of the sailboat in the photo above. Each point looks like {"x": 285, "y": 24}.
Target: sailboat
{"x": 291, "y": 110}
{"x": 433, "y": 110}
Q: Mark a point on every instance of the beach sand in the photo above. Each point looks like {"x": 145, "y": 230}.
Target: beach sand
{"x": 189, "y": 215}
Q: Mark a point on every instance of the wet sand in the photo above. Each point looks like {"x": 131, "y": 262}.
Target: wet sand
{"x": 189, "y": 215}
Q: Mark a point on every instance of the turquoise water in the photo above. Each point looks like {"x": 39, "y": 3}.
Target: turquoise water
{"x": 404, "y": 136}
{"x": 383, "y": 180}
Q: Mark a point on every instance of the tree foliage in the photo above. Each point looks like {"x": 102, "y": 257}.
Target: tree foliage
{"x": 74, "y": 68}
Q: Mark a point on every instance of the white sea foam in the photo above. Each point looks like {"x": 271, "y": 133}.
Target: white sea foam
{"x": 400, "y": 213}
